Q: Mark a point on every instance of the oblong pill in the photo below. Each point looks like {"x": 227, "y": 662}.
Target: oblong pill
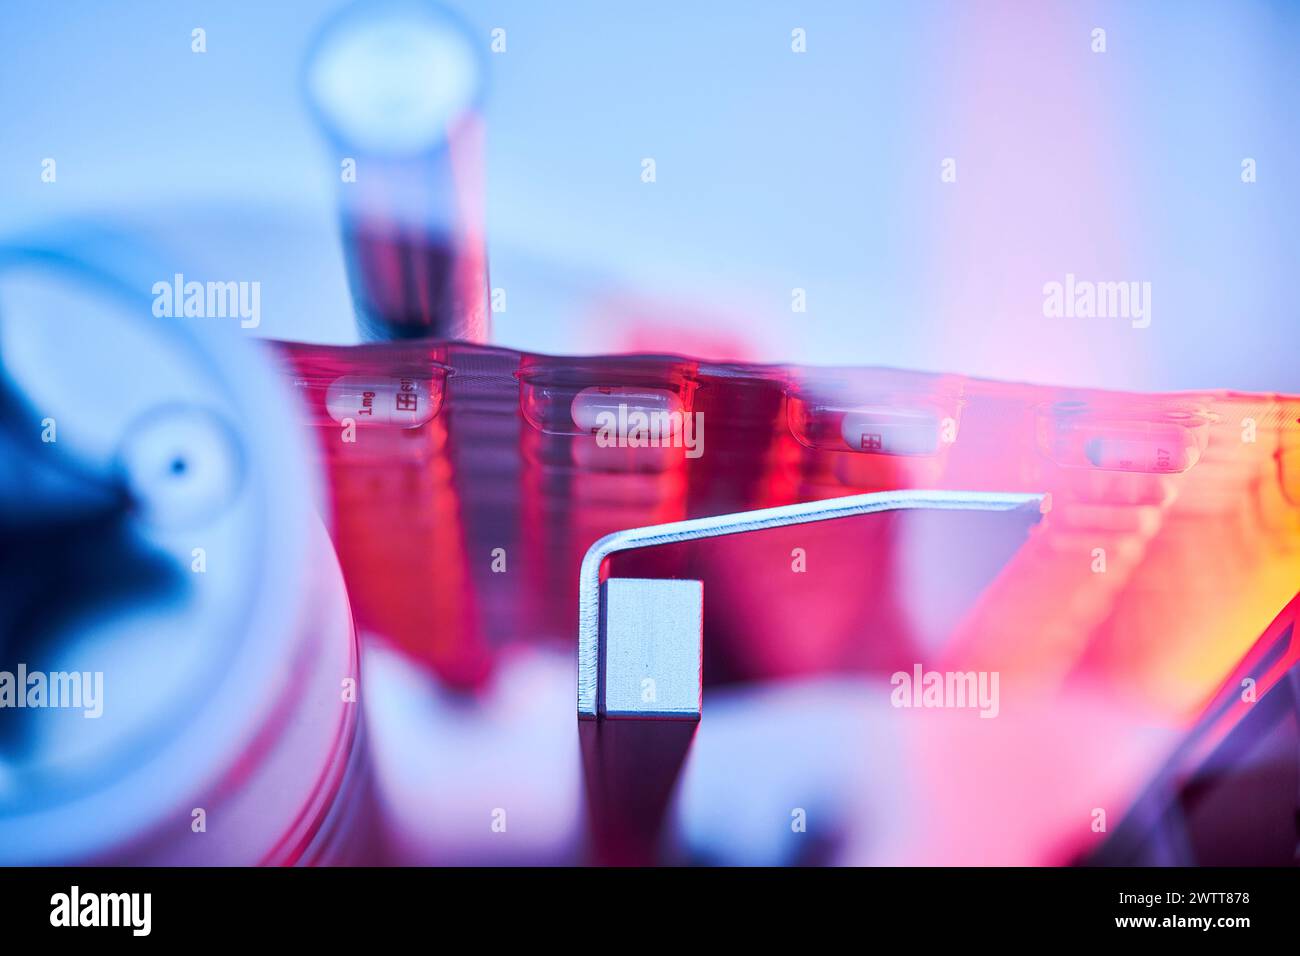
{"x": 891, "y": 431}
{"x": 621, "y": 407}
{"x": 380, "y": 400}
{"x": 1158, "y": 451}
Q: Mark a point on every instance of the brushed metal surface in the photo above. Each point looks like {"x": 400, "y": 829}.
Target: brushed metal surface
{"x": 653, "y": 655}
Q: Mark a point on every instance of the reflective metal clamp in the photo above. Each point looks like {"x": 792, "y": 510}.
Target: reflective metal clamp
{"x": 640, "y": 640}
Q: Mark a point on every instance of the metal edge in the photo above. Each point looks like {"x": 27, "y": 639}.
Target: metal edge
{"x": 739, "y": 522}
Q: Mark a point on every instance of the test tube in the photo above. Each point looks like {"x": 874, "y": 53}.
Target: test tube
{"x": 396, "y": 88}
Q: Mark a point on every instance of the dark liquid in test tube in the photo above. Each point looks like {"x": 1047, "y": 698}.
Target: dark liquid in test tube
{"x": 396, "y": 87}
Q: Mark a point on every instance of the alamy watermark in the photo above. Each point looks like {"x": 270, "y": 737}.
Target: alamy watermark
{"x": 946, "y": 690}
{"x": 211, "y": 300}
{"x": 75, "y": 690}
{"x": 631, "y": 427}
{"x": 133, "y": 911}
{"x": 1084, "y": 299}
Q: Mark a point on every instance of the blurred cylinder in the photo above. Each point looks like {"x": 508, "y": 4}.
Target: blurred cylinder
{"x": 396, "y": 87}
{"x": 180, "y": 592}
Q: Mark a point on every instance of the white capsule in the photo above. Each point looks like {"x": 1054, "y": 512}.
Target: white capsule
{"x": 404, "y": 402}
{"x": 881, "y": 431}
{"x": 622, "y": 408}
{"x": 1159, "y": 451}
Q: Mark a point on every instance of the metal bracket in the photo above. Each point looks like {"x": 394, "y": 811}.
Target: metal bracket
{"x": 674, "y": 630}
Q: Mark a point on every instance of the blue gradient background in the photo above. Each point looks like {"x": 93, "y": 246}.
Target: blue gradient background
{"x": 775, "y": 170}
